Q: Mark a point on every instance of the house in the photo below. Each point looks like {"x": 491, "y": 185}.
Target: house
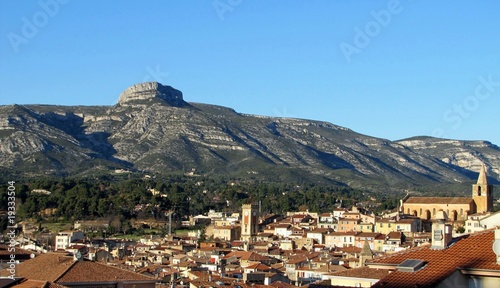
{"x": 385, "y": 225}
{"x": 64, "y": 270}
{"x": 482, "y": 221}
{"x": 348, "y": 224}
{"x": 326, "y": 220}
{"x": 467, "y": 261}
{"x": 338, "y": 212}
{"x": 283, "y": 230}
{"x": 319, "y": 234}
{"x": 366, "y": 227}
{"x": 65, "y": 238}
{"x": 91, "y": 225}
{"x": 360, "y": 277}
{"x": 393, "y": 242}
{"x": 292, "y": 265}
{"x": 340, "y": 239}
{"x": 227, "y": 233}
{"x": 363, "y": 237}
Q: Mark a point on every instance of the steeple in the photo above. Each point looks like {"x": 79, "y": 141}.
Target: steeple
{"x": 482, "y": 179}
{"x": 365, "y": 254}
{"x": 482, "y": 192}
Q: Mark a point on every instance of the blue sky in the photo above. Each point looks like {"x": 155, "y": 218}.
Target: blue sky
{"x": 390, "y": 69}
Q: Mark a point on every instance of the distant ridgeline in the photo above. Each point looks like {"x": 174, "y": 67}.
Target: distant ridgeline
{"x": 152, "y": 130}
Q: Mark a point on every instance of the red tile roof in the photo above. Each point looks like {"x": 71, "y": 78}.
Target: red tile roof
{"x": 439, "y": 200}
{"x": 363, "y": 272}
{"x": 87, "y": 271}
{"x": 45, "y": 267}
{"x": 61, "y": 269}
{"x": 471, "y": 252}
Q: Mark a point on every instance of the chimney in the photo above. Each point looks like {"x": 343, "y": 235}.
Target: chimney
{"x": 441, "y": 232}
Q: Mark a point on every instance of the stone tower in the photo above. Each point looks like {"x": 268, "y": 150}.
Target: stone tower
{"x": 482, "y": 192}
{"x": 249, "y": 222}
{"x": 365, "y": 254}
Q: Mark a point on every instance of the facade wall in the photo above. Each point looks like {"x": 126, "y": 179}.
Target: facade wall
{"x": 347, "y": 224}
{"x": 428, "y": 211}
{"x": 249, "y": 222}
{"x": 352, "y": 282}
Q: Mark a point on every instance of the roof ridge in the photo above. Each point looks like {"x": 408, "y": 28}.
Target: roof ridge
{"x": 421, "y": 247}
{"x": 64, "y": 272}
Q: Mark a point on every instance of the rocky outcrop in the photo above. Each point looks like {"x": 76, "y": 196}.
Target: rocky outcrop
{"x": 147, "y": 91}
{"x": 152, "y": 129}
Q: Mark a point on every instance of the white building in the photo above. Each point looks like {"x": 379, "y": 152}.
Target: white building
{"x": 65, "y": 238}
{"x": 482, "y": 221}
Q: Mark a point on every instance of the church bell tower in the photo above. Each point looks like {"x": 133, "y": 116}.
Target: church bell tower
{"x": 482, "y": 192}
{"x": 249, "y": 222}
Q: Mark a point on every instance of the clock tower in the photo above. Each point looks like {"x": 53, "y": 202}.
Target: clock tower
{"x": 249, "y": 222}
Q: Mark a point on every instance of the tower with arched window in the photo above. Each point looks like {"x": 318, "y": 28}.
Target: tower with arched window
{"x": 482, "y": 192}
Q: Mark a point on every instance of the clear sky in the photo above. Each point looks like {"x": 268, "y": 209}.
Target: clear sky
{"x": 390, "y": 69}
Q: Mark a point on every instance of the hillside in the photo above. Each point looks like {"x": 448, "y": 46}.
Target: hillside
{"x": 152, "y": 129}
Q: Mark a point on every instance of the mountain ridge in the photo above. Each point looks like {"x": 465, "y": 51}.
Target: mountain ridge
{"x": 156, "y": 131}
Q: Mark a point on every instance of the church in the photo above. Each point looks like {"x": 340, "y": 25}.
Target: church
{"x": 456, "y": 208}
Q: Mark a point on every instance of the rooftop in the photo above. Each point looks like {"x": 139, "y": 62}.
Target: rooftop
{"x": 439, "y": 200}
{"x": 473, "y": 251}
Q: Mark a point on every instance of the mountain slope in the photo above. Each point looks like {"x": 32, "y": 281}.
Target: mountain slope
{"x": 153, "y": 129}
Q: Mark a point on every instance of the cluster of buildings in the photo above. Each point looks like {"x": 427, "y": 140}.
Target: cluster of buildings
{"x": 415, "y": 246}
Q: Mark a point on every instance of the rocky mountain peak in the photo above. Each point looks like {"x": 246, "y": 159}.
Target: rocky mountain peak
{"x": 149, "y": 91}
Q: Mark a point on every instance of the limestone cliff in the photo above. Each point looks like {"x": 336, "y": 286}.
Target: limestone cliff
{"x": 152, "y": 129}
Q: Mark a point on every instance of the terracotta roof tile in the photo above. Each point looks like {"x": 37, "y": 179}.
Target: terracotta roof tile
{"x": 87, "y": 271}
{"x": 45, "y": 267}
{"x": 471, "y": 252}
{"x": 439, "y": 200}
{"x": 364, "y": 272}
{"x": 61, "y": 269}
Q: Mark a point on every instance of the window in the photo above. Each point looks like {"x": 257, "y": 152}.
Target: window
{"x": 420, "y": 211}
{"x": 433, "y": 211}
{"x": 408, "y": 211}
{"x": 461, "y": 211}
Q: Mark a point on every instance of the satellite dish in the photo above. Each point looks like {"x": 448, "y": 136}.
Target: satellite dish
{"x": 78, "y": 255}
{"x": 32, "y": 255}
{"x": 496, "y": 247}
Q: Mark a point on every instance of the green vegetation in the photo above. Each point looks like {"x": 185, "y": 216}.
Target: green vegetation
{"x": 128, "y": 199}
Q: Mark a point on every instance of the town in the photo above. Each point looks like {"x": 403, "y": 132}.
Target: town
{"x": 434, "y": 240}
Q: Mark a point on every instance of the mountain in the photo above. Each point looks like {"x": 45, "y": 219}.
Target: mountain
{"x": 152, "y": 129}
